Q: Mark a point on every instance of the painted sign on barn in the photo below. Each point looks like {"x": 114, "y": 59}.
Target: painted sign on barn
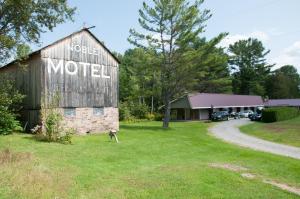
{"x": 82, "y": 71}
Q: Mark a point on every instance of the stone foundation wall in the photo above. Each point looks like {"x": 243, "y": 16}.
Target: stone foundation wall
{"x": 86, "y": 120}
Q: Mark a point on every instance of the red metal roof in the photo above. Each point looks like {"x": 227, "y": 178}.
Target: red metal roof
{"x": 206, "y": 100}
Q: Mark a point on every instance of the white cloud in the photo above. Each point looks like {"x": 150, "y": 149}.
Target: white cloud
{"x": 231, "y": 39}
{"x": 289, "y": 55}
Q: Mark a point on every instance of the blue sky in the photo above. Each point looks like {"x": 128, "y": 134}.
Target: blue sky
{"x": 274, "y": 22}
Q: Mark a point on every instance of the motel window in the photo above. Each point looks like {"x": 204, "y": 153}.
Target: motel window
{"x": 70, "y": 112}
{"x": 98, "y": 111}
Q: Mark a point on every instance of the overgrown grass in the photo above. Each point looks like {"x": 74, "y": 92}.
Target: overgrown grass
{"x": 149, "y": 162}
{"x": 285, "y": 132}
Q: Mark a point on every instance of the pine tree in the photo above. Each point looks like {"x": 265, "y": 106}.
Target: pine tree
{"x": 249, "y": 65}
{"x": 170, "y": 26}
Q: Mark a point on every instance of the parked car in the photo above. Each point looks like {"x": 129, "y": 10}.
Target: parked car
{"x": 234, "y": 115}
{"x": 219, "y": 116}
{"x": 255, "y": 117}
{"x": 245, "y": 114}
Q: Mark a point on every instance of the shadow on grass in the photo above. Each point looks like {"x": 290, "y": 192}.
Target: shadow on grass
{"x": 143, "y": 128}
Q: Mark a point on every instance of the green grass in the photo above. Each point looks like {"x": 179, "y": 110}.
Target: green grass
{"x": 149, "y": 162}
{"x": 285, "y": 132}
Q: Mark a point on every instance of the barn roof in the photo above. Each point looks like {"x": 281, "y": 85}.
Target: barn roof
{"x": 74, "y": 33}
{"x": 207, "y": 100}
{"x": 283, "y": 102}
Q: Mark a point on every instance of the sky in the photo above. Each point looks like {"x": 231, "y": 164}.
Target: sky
{"x": 274, "y": 22}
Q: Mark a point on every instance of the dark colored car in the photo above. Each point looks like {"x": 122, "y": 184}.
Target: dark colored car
{"x": 255, "y": 117}
{"x": 234, "y": 115}
{"x": 219, "y": 116}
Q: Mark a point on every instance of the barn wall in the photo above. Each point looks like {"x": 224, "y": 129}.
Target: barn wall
{"x": 81, "y": 90}
{"x": 86, "y": 121}
{"x": 28, "y": 81}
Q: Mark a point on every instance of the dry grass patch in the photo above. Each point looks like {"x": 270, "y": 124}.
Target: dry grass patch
{"x": 8, "y": 156}
{"x": 230, "y": 167}
{"x": 25, "y": 177}
{"x": 250, "y": 176}
{"x": 283, "y": 186}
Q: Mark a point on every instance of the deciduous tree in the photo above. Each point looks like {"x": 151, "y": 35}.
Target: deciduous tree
{"x": 22, "y": 22}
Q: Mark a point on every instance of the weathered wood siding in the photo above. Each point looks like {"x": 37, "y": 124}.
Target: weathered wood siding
{"x": 78, "y": 90}
{"x": 28, "y": 81}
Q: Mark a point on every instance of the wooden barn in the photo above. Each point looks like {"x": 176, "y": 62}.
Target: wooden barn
{"x": 82, "y": 72}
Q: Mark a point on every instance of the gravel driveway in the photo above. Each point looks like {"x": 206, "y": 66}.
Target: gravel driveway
{"x": 229, "y": 132}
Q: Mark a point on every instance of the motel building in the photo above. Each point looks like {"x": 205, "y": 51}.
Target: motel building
{"x": 78, "y": 69}
{"x": 200, "y": 106}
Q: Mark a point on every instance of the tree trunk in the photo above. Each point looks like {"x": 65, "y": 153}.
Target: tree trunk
{"x": 152, "y": 104}
{"x": 167, "y": 113}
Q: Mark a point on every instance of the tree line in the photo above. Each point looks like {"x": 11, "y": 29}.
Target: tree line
{"x": 172, "y": 57}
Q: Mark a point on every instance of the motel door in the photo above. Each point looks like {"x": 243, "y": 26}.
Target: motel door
{"x": 195, "y": 114}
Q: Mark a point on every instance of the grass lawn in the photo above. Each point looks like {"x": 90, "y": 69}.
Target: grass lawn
{"x": 285, "y": 132}
{"x": 149, "y": 162}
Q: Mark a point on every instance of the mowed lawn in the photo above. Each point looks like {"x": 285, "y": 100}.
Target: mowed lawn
{"x": 149, "y": 162}
{"x": 285, "y": 132}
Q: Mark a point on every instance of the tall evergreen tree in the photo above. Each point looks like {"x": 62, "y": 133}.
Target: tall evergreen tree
{"x": 247, "y": 59}
{"x": 171, "y": 25}
{"x": 212, "y": 67}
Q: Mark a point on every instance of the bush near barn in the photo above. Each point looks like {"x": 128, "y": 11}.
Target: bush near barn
{"x": 279, "y": 114}
{"x": 10, "y": 100}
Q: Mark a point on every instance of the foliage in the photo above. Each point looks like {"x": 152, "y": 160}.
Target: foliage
{"x": 124, "y": 112}
{"x": 130, "y": 111}
{"x": 8, "y": 122}
{"x": 279, "y": 114}
{"x": 51, "y": 129}
{"x": 284, "y": 83}
{"x": 213, "y": 74}
{"x": 170, "y": 28}
{"x": 139, "y": 110}
{"x": 10, "y": 100}
{"x": 247, "y": 59}
{"x": 24, "y": 21}
{"x": 150, "y": 116}
{"x": 139, "y": 77}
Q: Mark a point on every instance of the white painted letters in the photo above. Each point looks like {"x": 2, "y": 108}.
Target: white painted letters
{"x": 84, "y": 49}
{"x": 85, "y": 65}
{"x": 95, "y": 70}
{"x": 67, "y": 67}
{"x": 71, "y": 68}
{"x": 55, "y": 68}
{"x": 102, "y": 72}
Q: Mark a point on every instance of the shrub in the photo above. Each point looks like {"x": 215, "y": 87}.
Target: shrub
{"x": 10, "y": 100}
{"x": 158, "y": 117}
{"x": 130, "y": 111}
{"x": 124, "y": 112}
{"x": 51, "y": 129}
{"x": 150, "y": 116}
{"x": 139, "y": 110}
{"x": 279, "y": 114}
{"x": 8, "y": 122}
